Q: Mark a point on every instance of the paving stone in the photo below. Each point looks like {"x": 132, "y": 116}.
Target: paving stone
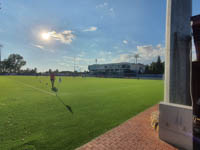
{"x": 134, "y": 134}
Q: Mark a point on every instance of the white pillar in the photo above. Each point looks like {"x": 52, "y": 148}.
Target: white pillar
{"x": 175, "y": 121}
{"x": 177, "y": 55}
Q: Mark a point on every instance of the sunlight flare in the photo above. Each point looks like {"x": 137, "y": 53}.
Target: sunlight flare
{"x": 45, "y": 35}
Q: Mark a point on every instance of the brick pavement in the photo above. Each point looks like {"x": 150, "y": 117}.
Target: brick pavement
{"x": 134, "y": 134}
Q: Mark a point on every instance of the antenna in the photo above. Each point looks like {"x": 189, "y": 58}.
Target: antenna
{"x": 0, "y": 51}
{"x": 0, "y": 57}
{"x": 96, "y": 60}
{"x": 74, "y": 63}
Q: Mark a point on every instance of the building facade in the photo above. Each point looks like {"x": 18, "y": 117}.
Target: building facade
{"x": 123, "y": 69}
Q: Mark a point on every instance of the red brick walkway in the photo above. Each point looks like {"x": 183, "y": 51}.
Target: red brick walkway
{"x": 134, "y": 134}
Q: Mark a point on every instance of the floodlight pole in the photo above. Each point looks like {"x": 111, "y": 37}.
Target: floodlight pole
{"x": 0, "y": 52}
{"x": 0, "y": 56}
{"x": 74, "y": 63}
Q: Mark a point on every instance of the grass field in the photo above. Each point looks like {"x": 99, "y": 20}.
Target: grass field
{"x": 31, "y": 117}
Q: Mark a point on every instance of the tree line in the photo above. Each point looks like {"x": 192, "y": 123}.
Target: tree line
{"x": 155, "y": 67}
{"x": 15, "y": 62}
{"x": 12, "y": 64}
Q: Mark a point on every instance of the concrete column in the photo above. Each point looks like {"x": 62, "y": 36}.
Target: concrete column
{"x": 175, "y": 121}
{"x": 177, "y": 56}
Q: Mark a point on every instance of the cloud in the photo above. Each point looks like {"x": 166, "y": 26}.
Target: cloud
{"x": 90, "y": 29}
{"x": 150, "y": 52}
{"x": 108, "y": 10}
{"x": 65, "y": 37}
{"x": 111, "y": 9}
{"x": 125, "y": 41}
{"x": 147, "y": 54}
{"x": 105, "y": 53}
{"x": 112, "y": 12}
{"x": 121, "y": 58}
{"x": 43, "y": 48}
{"x": 81, "y": 54}
{"x": 38, "y": 46}
{"x": 81, "y": 61}
{"x": 102, "y": 5}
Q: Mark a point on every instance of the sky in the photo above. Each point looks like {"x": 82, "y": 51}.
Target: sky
{"x": 57, "y": 34}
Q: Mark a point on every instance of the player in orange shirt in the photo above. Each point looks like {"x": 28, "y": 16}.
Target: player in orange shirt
{"x": 52, "y": 78}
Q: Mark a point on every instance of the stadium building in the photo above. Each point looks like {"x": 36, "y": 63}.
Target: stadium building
{"x": 116, "y": 69}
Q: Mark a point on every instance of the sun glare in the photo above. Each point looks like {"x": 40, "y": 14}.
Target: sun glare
{"x": 45, "y": 36}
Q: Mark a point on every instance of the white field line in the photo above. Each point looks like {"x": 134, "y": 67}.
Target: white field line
{"x": 38, "y": 89}
{"x": 74, "y": 93}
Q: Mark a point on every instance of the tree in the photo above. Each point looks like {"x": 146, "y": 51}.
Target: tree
{"x": 160, "y": 66}
{"x": 5, "y": 66}
{"x": 35, "y": 70}
{"x": 159, "y": 60}
{"x": 155, "y": 67}
{"x": 56, "y": 71}
{"x": 147, "y": 70}
{"x": 14, "y": 63}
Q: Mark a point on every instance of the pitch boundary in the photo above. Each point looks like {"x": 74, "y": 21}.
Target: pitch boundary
{"x": 38, "y": 89}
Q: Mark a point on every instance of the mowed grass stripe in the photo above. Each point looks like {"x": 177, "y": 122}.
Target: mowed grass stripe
{"x": 75, "y": 93}
{"x": 38, "y": 89}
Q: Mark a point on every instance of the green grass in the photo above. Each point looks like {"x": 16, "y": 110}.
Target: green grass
{"x": 31, "y": 119}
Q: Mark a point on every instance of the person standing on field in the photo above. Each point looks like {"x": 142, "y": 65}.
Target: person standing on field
{"x": 52, "y": 78}
{"x": 60, "y": 80}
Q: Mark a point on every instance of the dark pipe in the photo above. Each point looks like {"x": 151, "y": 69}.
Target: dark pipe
{"x": 196, "y": 83}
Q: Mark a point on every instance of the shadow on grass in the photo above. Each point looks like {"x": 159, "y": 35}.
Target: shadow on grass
{"x": 31, "y": 145}
{"x": 54, "y": 89}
